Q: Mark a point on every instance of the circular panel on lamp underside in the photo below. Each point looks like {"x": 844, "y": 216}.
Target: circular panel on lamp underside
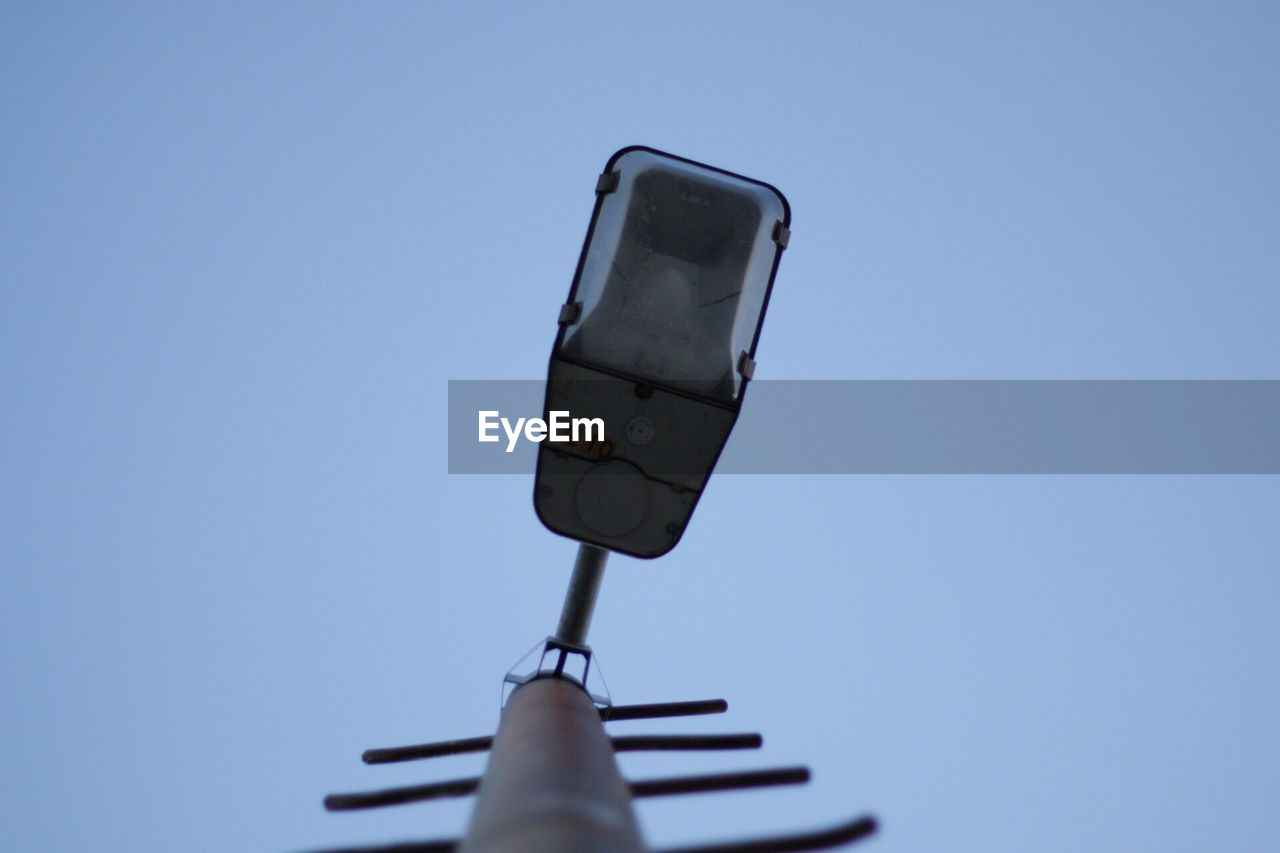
{"x": 612, "y": 498}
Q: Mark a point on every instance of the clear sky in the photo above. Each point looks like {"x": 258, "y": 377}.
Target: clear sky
{"x": 244, "y": 247}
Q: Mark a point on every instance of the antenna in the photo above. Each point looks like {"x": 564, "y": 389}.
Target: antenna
{"x": 552, "y": 783}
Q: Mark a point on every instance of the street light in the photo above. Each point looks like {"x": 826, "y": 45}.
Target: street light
{"x": 657, "y": 340}
{"x": 657, "y": 343}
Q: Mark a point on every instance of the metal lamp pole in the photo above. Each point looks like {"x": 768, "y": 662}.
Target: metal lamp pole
{"x": 552, "y": 783}
{"x": 580, "y": 599}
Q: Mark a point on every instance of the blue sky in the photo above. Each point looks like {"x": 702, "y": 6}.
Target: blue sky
{"x": 244, "y": 247}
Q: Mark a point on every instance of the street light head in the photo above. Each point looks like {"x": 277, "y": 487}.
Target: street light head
{"x": 657, "y": 340}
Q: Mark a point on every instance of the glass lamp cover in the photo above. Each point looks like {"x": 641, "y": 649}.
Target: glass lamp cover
{"x": 676, "y": 274}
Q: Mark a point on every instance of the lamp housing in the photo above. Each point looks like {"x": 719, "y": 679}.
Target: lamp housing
{"x": 657, "y": 340}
